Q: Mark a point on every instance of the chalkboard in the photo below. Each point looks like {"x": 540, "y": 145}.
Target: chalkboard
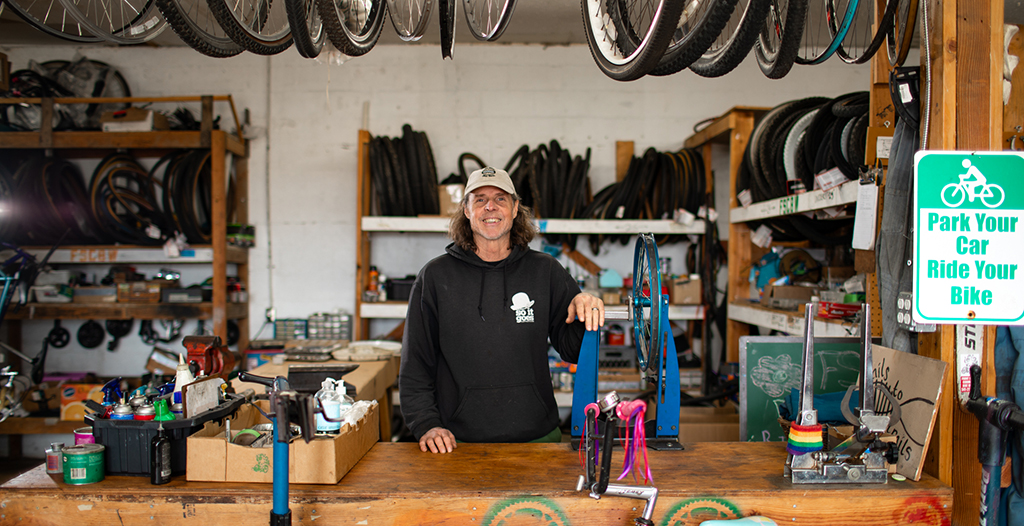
{"x": 770, "y": 366}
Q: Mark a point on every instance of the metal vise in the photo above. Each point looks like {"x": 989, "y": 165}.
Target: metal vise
{"x": 212, "y": 356}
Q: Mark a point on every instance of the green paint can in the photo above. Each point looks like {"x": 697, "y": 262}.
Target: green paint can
{"x": 83, "y": 463}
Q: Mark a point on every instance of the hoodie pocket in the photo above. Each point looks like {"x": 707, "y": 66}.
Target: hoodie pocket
{"x": 501, "y": 407}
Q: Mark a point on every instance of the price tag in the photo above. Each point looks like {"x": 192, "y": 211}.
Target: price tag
{"x": 745, "y": 198}
{"x": 830, "y": 179}
{"x": 867, "y": 217}
{"x": 762, "y": 237}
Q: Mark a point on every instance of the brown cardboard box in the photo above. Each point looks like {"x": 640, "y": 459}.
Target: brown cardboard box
{"x": 709, "y": 424}
{"x": 788, "y": 297}
{"x": 133, "y": 120}
{"x": 449, "y": 196}
{"x": 686, "y": 291}
{"x": 321, "y": 461}
{"x": 611, "y": 298}
{"x": 138, "y": 292}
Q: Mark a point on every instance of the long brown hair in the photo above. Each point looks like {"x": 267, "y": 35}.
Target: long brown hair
{"x": 460, "y": 231}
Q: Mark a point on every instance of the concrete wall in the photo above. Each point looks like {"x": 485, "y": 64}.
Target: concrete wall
{"x": 305, "y": 115}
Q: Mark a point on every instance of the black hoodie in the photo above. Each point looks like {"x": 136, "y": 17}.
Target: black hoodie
{"x": 474, "y": 354}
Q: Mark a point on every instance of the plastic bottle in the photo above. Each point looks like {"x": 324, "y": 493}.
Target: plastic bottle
{"x": 346, "y": 400}
{"x": 331, "y": 403}
{"x": 182, "y": 377}
{"x": 371, "y": 284}
{"x": 160, "y": 457}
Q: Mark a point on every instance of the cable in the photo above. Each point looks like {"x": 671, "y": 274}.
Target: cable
{"x": 927, "y": 78}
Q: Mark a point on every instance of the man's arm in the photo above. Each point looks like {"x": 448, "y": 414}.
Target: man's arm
{"x": 418, "y": 373}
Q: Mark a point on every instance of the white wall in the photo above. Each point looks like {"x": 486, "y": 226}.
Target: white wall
{"x": 490, "y": 100}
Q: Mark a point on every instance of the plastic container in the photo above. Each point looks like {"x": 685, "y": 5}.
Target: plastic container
{"x": 400, "y": 289}
{"x": 128, "y": 442}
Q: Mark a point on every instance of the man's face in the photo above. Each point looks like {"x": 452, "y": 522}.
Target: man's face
{"x": 490, "y": 212}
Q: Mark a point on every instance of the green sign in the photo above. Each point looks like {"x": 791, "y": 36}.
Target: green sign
{"x": 968, "y": 237}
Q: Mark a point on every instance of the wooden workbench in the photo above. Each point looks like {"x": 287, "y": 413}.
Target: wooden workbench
{"x": 488, "y": 485}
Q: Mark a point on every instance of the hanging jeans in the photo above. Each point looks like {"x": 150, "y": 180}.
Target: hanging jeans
{"x": 1010, "y": 386}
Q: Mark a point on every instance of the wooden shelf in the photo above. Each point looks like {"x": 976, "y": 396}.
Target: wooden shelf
{"x": 545, "y": 226}
{"x": 397, "y": 309}
{"x": 843, "y": 194}
{"x": 97, "y": 140}
{"x": 789, "y": 321}
{"x": 124, "y": 311}
{"x": 34, "y": 425}
{"x": 102, "y": 254}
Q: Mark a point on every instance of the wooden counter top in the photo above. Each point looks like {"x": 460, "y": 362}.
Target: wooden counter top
{"x": 488, "y": 485}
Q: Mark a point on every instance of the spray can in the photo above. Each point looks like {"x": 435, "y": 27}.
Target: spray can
{"x": 55, "y": 459}
{"x": 122, "y": 411}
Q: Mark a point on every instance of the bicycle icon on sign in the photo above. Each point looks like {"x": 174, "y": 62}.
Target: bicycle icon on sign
{"x": 972, "y": 185}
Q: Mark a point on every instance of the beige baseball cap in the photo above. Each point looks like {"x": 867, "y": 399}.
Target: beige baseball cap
{"x": 489, "y": 176}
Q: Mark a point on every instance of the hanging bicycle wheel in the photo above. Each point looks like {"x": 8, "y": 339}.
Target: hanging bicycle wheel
{"x": 646, "y": 303}
{"x": 701, "y": 22}
{"x": 195, "y": 25}
{"x": 734, "y": 42}
{"x": 627, "y": 38}
{"x": 118, "y": 21}
{"x": 353, "y": 25}
{"x": 779, "y": 40}
{"x": 50, "y": 17}
{"x": 409, "y": 17}
{"x": 446, "y": 23}
{"x": 307, "y": 27}
{"x": 861, "y": 44}
{"x": 828, "y": 22}
{"x": 259, "y": 26}
{"x": 899, "y": 37}
{"x": 487, "y": 19}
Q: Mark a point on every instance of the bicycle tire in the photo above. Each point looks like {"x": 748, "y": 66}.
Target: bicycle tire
{"x": 307, "y": 27}
{"x": 139, "y": 24}
{"x": 735, "y": 41}
{"x": 791, "y": 148}
{"x": 882, "y": 30}
{"x": 489, "y": 23}
{"x": 779, "y": 40}
{"x": 257, "y": 25}
{"x": 38, "y": 15}
{"x": 852, "y": 105}
{"x": 353, "y": 32}
{"x": 773, "y": 127}
{"x": 112, "y": 84}
{"x": 410, "y": 17}
{"x": 195, "y": 25}
{"x": 628, "y": 57}
{"x": 901, "y": 35}
{"x": 696, "y": 30}
{"x": 446, "y": 23}
{"x": 835, "y": 32}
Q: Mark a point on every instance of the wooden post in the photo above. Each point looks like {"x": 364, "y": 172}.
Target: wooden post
{"x": 623, "y": 156}
{"x": 360, "y": 326}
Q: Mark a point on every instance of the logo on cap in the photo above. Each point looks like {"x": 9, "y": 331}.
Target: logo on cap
{"x": 488, "y": 172}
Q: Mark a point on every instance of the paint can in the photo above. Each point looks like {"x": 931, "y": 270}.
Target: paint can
{"x": 83, "y": 435}
{"x": 55, "y": 458}
{"x": 178, "y": 410}
{"x": 83, "y": 464}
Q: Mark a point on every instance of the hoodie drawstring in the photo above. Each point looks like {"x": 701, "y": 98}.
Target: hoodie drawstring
{"x": 504, "y": 285}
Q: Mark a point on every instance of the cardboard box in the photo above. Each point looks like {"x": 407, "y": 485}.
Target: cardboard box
{"x": 611, "y": 298}
{"x": 73, "y": 397}
{"x": 449, "y": 196}
{"x": 321, "y": 461}
{"x": 95, "y": 295}
{"x": 133, "y": 120}
{"x": 162, "y": 362}
{"x": 787, "y": 297}
{"x": 139, "y": 292}
{"x": 686, "y": 291}
{"x": 709, "y": 424}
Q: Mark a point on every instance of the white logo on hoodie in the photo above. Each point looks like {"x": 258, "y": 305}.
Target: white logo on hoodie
{"x": 523, "y": 306}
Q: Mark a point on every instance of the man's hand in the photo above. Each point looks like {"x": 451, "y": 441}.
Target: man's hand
{"x": 438, "y": 440}
{"x": 588, "y": 309}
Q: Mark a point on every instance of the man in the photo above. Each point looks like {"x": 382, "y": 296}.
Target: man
{"x": 474, "y": 354}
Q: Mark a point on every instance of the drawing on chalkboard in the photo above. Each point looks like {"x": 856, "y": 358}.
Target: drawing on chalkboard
{"x": 776, "y": 375}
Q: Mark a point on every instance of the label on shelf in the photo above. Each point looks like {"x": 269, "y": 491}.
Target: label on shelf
{"x": 745, "y": 198}
{"x": 762, "y": 237}
{"x": 830, "y": 179}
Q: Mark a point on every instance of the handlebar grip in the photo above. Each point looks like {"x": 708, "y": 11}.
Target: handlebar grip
{"x": 256, "y": 379}
{"x": 1015, "y": 418}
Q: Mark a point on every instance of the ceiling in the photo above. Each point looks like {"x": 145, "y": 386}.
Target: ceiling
{"x": 534, "y": 22}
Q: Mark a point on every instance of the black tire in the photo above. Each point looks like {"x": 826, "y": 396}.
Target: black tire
{"x": 254, "y": 24}
{"x": 446, "y": 23}
{"x": 851, "y": 105}
{"x": 901, "y": 34}
{"x": 736, "y": 40}
{"x": 123, "y": 22}
{"x": 774, "y": 127}
{"x": 307, "y": 27}
{"x": 350, "y": 36}
{"x": 51, "y": 18}
{"x": 194, "y": 24}
{"x": 779, "y": 40}
{"x": 689, "y": 43}
{"x": 618, "y": 55}
{"x": 882, "y": 29}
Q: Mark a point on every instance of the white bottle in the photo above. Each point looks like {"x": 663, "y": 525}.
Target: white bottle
{"x": 182, "y": 377}
{"x": 346, "y": 400}
{"x": 331, "y": 403}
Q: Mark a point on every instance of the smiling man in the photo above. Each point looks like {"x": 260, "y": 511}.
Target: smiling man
{"x": 474, "y": 354}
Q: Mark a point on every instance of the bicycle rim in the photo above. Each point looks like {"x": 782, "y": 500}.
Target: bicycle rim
{"x": 307, "y": 27}
{"x": 353, "y": 26}
{"x": 779, "y": 40}
{"x": 409, "y": 17}
{"x": 828, "y": 22}
{"x": 487, "y": 19}
{"x": 735, "y": 40}
{"x": 628, "y": 37}
{"x": 862, "y": 46}
{"x": 700, "y": 23}
{"x": 899, "y": 37}
{"x": 195, "y": 25}
{"x": 50, "y": 17}
{"x": 259, "y": 26}
{"x": 118, "y": 21}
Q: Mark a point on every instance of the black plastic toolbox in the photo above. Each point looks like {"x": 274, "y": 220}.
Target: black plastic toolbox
{"x": 127, "y": 442}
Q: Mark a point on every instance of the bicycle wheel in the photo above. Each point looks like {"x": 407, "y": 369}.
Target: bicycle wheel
{"x": 409, "y": 17}
{"x": 779, "y": 40}
{"x": 646, "y": 303}
{"x": 699, "y": 25}
{"x": 353, "y": 25}
{"x": 825, "y": 29}
{"x": 628, "y": 37}
{"x": 50, "y": 17}
{"x": 446, "y": 23}
{"x": 118, "y": 21}
{"x": 259, "y": 26}
{"x": 307, "y": 27}
{"x": 195, "y": 25}
{"x": 860, "y": 45}
{"x": 487, "y": 19}
{"x": 734, "y": 42}
{"x": 900, "y": 35}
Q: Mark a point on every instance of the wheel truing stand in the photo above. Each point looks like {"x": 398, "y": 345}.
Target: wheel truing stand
{"x": 656, "y": 351}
